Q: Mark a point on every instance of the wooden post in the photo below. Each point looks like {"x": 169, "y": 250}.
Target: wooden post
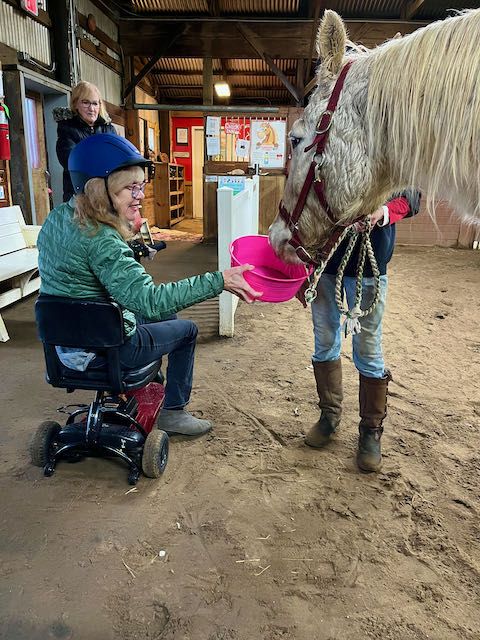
{"x": 63, "y": 52}
{"x": 207, "y": 81}
{"x": 164, "y": 123}
{"x": 132, "y": 129}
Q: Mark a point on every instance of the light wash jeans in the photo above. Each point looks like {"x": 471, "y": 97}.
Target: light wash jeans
{"x": 367, "y": 345}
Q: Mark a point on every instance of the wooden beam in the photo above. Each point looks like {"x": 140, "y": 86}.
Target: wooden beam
{"x": 143, "y": 72}
{"x": 316, "y": 16}
{"x": 310, "y": 86}
{"x": 207, "y": 81}
{"x": 220, "y": 38}
{"x": 101, "y": 56}
{"x": 104, "y": 8}
{"x": 153, "y": 61}
{"x": 300, "y": 81}
{"x": 254, "y": 42}
{"x": 230, "y": 73}
{"x": 199, "y": 87}
{"x": 410, "y": 8}
{"x": 213, "y": 8}
{"x": 98, "y": 34}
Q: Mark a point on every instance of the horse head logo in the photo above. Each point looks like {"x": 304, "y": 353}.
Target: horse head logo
{"x": 267, "y": 136}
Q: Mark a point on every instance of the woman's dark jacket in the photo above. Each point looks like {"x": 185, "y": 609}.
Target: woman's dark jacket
{"x": 382, "y": 238}
{"x": 72, "y": 130}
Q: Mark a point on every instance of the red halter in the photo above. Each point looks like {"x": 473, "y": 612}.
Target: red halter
{"x": 320, "y": 141}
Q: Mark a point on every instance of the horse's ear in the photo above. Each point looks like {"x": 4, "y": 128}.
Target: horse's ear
{"x": 331, "y": 41}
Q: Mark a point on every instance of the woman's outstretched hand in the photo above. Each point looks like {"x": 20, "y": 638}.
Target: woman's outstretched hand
{"x": 234, "y": 282}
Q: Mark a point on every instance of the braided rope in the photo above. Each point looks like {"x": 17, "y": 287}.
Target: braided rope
{"x": 352, "y": 316}
{"x": 311, "y": 293}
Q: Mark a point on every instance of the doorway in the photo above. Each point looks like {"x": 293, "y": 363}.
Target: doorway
{"x": 197, "y": 171}
{"x": 37, "y": 155}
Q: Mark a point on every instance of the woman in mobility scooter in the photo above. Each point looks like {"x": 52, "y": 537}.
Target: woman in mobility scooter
{"x": 83, "y": 254}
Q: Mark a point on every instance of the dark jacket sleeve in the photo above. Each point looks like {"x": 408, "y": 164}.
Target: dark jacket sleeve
{"x": 67, "y": 138}
{"x": 413, "y": 198}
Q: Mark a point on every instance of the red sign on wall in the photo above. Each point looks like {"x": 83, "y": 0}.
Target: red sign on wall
{"x": 30, "y": 5}
{"x": 232, "y": 126}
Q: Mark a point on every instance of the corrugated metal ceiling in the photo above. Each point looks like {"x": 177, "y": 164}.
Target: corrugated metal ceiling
{"x": 224, "y": 7}
{"x": 180, "y": 79}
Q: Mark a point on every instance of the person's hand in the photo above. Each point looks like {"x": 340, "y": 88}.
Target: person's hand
{"x": 300, "y": 295}
{"x": 234, "y": 282}
{"x": 374, "y": 218}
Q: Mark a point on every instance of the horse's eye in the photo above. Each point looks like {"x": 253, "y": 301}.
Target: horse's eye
{"x": 294, "y": 141}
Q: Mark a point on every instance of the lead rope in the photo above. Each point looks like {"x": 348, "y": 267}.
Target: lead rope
{"x": 352, "y": 316}
{"x": 311, "y": 292}
{"x": 352, "y": 323}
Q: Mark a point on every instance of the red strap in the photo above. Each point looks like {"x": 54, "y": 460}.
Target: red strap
{"x": 320, "y": 141}
{"x": 326, "y": 119}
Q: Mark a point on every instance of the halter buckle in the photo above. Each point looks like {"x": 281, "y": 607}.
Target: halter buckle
{"x": 326, "y": 127}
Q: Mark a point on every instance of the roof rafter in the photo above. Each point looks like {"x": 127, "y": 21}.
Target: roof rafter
{"x": 254, "y": 42}
{"x": 410, "y": 8}
{"x": 152, "y": 62}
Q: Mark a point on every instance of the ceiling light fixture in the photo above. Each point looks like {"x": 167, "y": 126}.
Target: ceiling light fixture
{"x": 222, "y": 89}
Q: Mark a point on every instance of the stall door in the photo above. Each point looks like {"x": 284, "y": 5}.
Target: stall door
{"x": 37, "y": 152}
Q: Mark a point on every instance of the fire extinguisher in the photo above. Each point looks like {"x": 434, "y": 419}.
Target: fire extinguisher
{"x": 4, "y": 133}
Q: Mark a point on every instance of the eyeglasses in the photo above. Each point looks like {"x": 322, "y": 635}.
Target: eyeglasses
{"x": 137, "y": 189}
{"x": 90, "y": 103}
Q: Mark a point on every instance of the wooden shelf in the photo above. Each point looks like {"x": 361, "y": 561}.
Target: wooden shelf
{"x": 169, "y": 194}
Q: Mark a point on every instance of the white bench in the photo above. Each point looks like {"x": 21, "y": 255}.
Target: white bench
{"x": 18, "y": 260}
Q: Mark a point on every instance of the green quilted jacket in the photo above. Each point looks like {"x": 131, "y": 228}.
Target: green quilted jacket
{"x": 76, "y": 264}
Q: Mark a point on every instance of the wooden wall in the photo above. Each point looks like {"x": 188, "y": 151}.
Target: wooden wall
{"x": 271, "y": 189}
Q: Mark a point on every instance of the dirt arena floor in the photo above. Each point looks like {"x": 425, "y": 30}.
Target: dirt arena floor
{"x": 264, "y": 538}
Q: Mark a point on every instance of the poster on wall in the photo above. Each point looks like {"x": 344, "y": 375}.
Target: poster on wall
{"x": 242, "y": 148}
{"x": 267, "y": 143}
{"x": 233, "y": 127}
{"x": 213, "y": 126}
{"x": 213, "y": 146}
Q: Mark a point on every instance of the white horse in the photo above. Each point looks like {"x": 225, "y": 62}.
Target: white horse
{"x": 408, "y": 115}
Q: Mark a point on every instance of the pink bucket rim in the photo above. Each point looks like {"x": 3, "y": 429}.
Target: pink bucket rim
{"x": 308, "y": 271}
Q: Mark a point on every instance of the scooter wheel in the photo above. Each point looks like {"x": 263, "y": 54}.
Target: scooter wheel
{"x": 155, "y": 454}
{"x": 41, "y": 443}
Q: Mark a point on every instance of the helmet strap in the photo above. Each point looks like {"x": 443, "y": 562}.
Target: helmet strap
{"x": 108, "y": 195}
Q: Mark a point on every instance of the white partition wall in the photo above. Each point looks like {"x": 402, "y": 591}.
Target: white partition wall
{"x": 237, "y": 216}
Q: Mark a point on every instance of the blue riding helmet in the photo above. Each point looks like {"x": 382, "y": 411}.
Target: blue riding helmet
{"x": 100, "y": 155}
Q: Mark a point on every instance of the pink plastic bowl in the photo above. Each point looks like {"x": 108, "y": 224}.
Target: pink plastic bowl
{"x": 278, "y": 280}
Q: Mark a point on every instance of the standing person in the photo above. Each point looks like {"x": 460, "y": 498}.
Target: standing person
{"x": 83, "y": 253}
{"x": 367, "y": 345}
{"x": 85, "y": 117}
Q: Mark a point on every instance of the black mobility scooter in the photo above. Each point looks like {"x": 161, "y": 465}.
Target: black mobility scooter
{"x": 121, "y": 420}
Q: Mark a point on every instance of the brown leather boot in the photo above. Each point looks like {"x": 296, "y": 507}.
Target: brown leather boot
{"x": 373, "y": 410}
{"x": 328, "y": 376}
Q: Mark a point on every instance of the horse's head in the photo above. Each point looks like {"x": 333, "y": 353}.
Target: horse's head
{"x": 343, "y": 167}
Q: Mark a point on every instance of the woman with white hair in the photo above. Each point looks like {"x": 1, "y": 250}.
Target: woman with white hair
{"x": 83, "y": 253}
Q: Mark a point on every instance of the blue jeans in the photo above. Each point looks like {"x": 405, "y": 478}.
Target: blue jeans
{"x": 367, "y": 345}
{"x": 151, "y": 341}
